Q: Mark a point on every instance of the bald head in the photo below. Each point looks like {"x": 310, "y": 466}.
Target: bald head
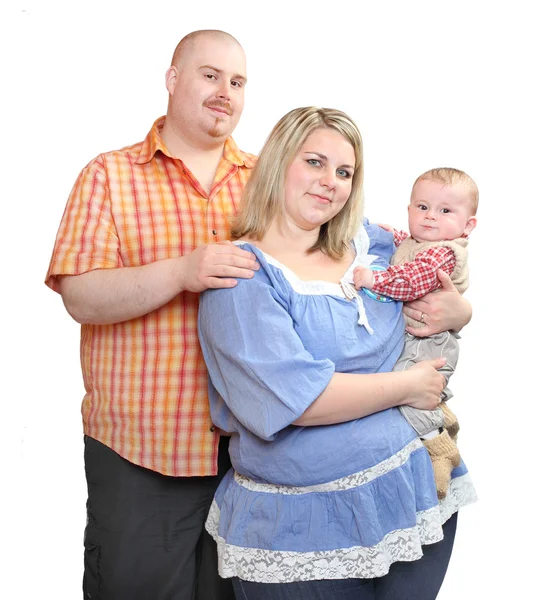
{"x": 206, "y": 90}
{"x": 188, "y": 42}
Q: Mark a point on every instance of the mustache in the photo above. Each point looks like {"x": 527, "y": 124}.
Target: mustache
{"x": 225, "y": 106}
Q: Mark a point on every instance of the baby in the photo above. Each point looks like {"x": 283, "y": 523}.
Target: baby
{"x": 441, "y": 215}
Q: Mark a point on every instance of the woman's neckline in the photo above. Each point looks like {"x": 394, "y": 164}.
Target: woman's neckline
{"x": 290, "y": 274}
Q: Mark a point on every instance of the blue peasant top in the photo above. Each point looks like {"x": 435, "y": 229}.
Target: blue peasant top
{"x": 324, "y": 502}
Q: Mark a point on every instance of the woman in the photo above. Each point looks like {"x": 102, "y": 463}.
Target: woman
{"x": 330, "y": 485}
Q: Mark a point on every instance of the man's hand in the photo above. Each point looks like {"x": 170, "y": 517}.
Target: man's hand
{"x": 442, "y": 310}
{"x": 363, "y": 278}
{"x": 216, "y": 266}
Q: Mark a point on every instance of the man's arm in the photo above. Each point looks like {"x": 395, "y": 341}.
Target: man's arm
{"x": 106, "y": 296}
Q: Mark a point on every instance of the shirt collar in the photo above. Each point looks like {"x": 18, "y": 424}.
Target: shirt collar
{"x": 154, "y": 142}
{"x": 237, "y": 157}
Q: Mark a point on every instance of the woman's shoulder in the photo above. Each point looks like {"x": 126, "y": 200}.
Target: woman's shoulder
{"x": 269, "y": 278}
{"x": 266, "y": 262}
{"x": 381, "y": 241}
{"x": 252, "y": 246}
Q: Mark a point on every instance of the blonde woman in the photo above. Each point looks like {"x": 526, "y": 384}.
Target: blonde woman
{"x": 331, "y": 494}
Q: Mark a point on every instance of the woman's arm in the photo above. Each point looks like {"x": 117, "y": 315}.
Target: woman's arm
{"x": 443, "y": 310}
{"x": 268, "y": 380}
{"x": 349, "y": 396}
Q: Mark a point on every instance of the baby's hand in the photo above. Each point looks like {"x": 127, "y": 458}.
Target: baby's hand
{"x": 363, "y": 278}
{"x": 389, "y": 228}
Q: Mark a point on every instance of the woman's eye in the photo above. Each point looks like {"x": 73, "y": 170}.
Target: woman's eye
{"x": 343, "y": 173}
{"x": 314, "y": 162}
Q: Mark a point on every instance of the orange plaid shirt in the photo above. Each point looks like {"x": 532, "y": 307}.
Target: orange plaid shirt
{"x": 145, "y": 379}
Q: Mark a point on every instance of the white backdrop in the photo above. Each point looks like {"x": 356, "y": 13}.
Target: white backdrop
{"x": 429, "y": 84}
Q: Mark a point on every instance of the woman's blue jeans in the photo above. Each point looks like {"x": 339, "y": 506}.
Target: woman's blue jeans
{"x": 417, "y": 580}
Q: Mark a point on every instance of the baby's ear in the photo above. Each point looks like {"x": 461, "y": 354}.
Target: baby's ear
{"x": 470, "y": 226}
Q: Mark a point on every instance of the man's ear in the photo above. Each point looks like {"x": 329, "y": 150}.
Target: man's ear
{"x": 470, "y": 226}
{"x": 171, "y": 79}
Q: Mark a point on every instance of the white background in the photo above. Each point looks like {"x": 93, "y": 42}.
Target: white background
{"x": 429, "y": 84}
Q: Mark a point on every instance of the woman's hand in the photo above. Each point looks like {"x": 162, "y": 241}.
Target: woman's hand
{"x": 426, "y": 384}
{"x": 442, "y": 310}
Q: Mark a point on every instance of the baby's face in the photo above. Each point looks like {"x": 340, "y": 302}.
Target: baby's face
{"x": 439, "y": 212}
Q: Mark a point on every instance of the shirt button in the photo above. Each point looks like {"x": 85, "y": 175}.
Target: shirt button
{"x": 212, "y": 428}
{"x": 214, "y": 232}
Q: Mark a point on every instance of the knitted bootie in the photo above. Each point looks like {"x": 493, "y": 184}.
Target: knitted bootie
{"x": 450, "y": 421}
{"x": 445, "y": 457}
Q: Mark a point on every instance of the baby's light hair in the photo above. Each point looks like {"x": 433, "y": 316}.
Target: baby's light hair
{"x": 450, "y": 176}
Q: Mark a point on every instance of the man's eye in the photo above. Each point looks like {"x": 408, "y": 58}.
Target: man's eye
{"x": 210, "y": 76}
{"x": 236, "y": 84}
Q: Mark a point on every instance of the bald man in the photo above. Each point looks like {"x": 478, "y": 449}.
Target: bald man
{"x": 145, "y": 231}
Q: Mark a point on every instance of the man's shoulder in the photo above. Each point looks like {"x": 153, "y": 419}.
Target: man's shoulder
{"x": 124, "y": 153}
{"x": 235, "y": 155}
{"x": 250, "y": 160}
{"x": 121, "y": 156}
{"x": 138, "y": 152}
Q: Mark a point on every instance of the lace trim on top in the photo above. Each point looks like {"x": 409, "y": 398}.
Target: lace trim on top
{"x": 278, "y": 566}
{"x": 344, "y": 289}
{"x": 344, "y": 483}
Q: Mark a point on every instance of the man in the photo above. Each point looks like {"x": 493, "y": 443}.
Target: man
{"x": 142, "y": 234}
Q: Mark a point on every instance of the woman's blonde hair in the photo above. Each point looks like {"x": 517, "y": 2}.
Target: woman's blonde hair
{"x": 263, "y": 196}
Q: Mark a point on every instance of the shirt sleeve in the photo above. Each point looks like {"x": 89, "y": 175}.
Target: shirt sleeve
{"x": 87, "y": 237}
{"x": 256, "y": 361}
{"x": 415, "y": 279}
{"x": 399, "y": 236}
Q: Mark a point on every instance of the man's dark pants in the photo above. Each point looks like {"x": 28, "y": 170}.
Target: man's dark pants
{"x": 145, "y": 536}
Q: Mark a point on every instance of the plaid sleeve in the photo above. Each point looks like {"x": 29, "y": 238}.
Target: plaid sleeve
{"x": 399, "y": 236}
{"x": 413, "y": 280}
{"x": 87, "y": 237}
